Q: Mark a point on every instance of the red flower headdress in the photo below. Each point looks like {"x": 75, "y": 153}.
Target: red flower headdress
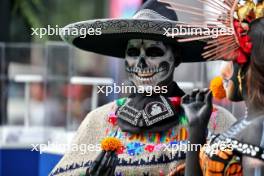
{"x": 225, "y": 15}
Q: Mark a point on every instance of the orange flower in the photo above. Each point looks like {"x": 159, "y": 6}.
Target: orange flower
{"x": 111, "y": 144}
{"x": 217, "y": 88}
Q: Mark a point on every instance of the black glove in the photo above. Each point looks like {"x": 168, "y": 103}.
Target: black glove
{"x": 198, "y": 108}
{"x": 103, "y": 165}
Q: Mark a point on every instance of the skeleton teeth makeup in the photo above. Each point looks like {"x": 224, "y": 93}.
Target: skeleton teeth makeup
{"x": 149, "y": 68}
{"x": 144, "y": 74}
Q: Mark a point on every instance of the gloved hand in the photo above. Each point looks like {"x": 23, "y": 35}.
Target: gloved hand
{"x": 198, "y": 108}
{"x": 104, "y": 164}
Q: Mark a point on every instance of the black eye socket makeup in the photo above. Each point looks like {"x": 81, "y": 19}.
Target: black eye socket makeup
{"x": 154, "y": 52}
{"x": 132, "y": 52}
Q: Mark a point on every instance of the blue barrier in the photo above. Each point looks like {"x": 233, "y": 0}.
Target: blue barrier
{"x": 24, "y": 162}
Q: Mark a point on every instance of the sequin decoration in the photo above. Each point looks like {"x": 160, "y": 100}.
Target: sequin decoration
{"x": 121, "y": 150}
{"x": 150, "y": 148}
{"x": 112, "y": 119}
{"x": 183, "y": 120}
{"x": 135, "y": 148}
{"x": 176, "y": 101}
{"x": 121, "y": 102}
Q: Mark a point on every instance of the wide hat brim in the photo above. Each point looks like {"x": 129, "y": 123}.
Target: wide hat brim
{"x": 115, "y": 33}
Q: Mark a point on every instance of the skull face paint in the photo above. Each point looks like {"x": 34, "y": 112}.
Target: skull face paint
{"x": 149, "y": 63}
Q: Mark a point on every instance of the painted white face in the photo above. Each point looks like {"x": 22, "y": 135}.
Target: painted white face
{"x": 149, "y": 63}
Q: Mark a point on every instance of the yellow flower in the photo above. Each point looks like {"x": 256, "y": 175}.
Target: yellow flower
{"x": 111, "y": 144}
{"x": 217, "y": 88}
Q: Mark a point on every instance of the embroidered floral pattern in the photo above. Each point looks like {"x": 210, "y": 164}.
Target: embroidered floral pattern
{"x": 137, "y": 144}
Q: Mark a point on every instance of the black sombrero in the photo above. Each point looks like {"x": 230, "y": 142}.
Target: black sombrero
{"x": 148, "y": 22}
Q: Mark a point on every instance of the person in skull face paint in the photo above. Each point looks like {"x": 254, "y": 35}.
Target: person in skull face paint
{"x": 150, "y": 64}
{"x": 151, "y": 128}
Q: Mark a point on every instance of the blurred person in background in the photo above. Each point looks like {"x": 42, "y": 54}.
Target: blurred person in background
{"x": 80, "y": 98}
{"x": 44, "y": 111}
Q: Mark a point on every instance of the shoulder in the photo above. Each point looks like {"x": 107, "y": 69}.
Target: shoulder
{"x": 248, "y": 131}
{"x": 96, "y": 119}
{"x": 254, "y": 132}
{"x": 249, "y": 140}
{"x": 102, "y": 110}
{"x": 99, "y": 114}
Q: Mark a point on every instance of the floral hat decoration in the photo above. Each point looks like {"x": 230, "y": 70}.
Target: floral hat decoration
{"x": 230, "y": 15}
